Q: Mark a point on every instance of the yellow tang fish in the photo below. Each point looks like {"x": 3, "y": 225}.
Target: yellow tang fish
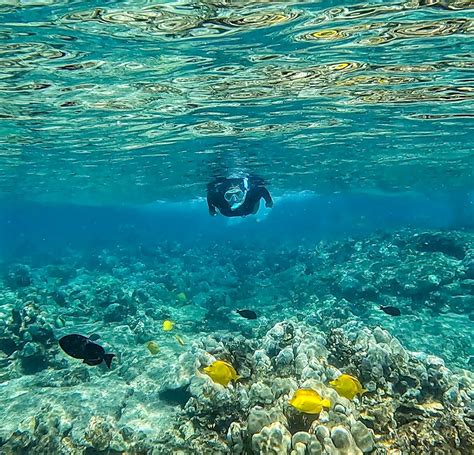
{"x": 168, "y": 325}
{"x": 221, "y": 372}
{"x": 153, "y": 347}
{"x": 309, "y": 401}
{"x": 347, "y": 386}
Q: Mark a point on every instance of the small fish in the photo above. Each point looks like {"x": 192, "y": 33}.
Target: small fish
{"x": 153, "y": 347}
{"x": 168, "y": 325}
{"x": 59, "y": 322}
{"x": 221, "y": 372}
{"x": 59, "y": 297}
{"x": 347, "y": 386}
{"x": 247, "y": 314}
{"x": 391, "y": 310}
{"x": 84, "y": 348}
{"x": 182, "y": 297}
{"x": 309, "y": 401}
{"x": 179, "y": 340}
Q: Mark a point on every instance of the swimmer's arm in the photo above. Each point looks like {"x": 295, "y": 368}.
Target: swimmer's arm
{"x": 211, "y": 206}
{"x": 266, "y": 195}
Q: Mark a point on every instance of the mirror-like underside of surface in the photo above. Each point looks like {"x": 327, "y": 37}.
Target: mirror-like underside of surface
{"x": 106, "y": 102}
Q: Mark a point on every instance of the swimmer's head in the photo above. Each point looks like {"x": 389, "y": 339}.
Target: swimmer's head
{"x": 235, "y": 195}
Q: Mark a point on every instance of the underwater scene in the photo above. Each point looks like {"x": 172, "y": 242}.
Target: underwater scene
{"x": 237, "y": 227}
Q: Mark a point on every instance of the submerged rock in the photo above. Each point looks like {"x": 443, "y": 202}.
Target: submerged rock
{"x": 33, "y": 358}
{"x": 19, "y": 276}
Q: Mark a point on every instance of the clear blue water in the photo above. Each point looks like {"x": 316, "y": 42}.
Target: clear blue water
{"x": 115, "y": 116}
{"x": 139, "y": 101}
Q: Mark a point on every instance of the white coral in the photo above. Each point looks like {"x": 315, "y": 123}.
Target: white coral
{"x": 274, "y": 439}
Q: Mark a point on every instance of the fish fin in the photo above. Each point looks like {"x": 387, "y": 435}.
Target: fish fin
{"x": 326, "y": 403}
{"x": 237, "y": 378}
{"x": 363, "y": 391}
{"x": 94, "y": 337}
{"x": 108, "y": 359}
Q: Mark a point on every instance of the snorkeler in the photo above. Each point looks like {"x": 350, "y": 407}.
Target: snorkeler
{"x": 237, "y": 196}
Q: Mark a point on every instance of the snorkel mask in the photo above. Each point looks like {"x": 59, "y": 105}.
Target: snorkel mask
{"x": 235, "y": 195}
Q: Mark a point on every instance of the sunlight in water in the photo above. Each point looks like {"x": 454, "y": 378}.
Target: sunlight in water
{"x": 134, "y": 101}
{"x": 236, "y": 227}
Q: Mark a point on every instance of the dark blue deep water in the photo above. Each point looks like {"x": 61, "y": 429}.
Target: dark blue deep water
{"x": 296, "y": 219}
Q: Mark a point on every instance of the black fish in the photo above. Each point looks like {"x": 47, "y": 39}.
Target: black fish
{"x": 391, "y": 310}
{"x": 247, "y": 314}
{"x": 81, "y": 347}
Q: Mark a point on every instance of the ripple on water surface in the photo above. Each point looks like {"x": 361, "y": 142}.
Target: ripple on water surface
{"x": 136, "y": 101}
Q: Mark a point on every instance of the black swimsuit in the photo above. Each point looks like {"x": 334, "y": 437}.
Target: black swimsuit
{"x": 216, "y": 200}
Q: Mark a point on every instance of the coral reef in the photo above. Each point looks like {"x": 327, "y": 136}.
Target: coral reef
{"x": 26, "y": 335}
{"x": 359, "y": 426}
{"x": 318, "y": 318}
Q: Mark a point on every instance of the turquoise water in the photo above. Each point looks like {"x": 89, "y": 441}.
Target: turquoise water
{"x": 136, "y": 101}
{"x": 114, "y": 119}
